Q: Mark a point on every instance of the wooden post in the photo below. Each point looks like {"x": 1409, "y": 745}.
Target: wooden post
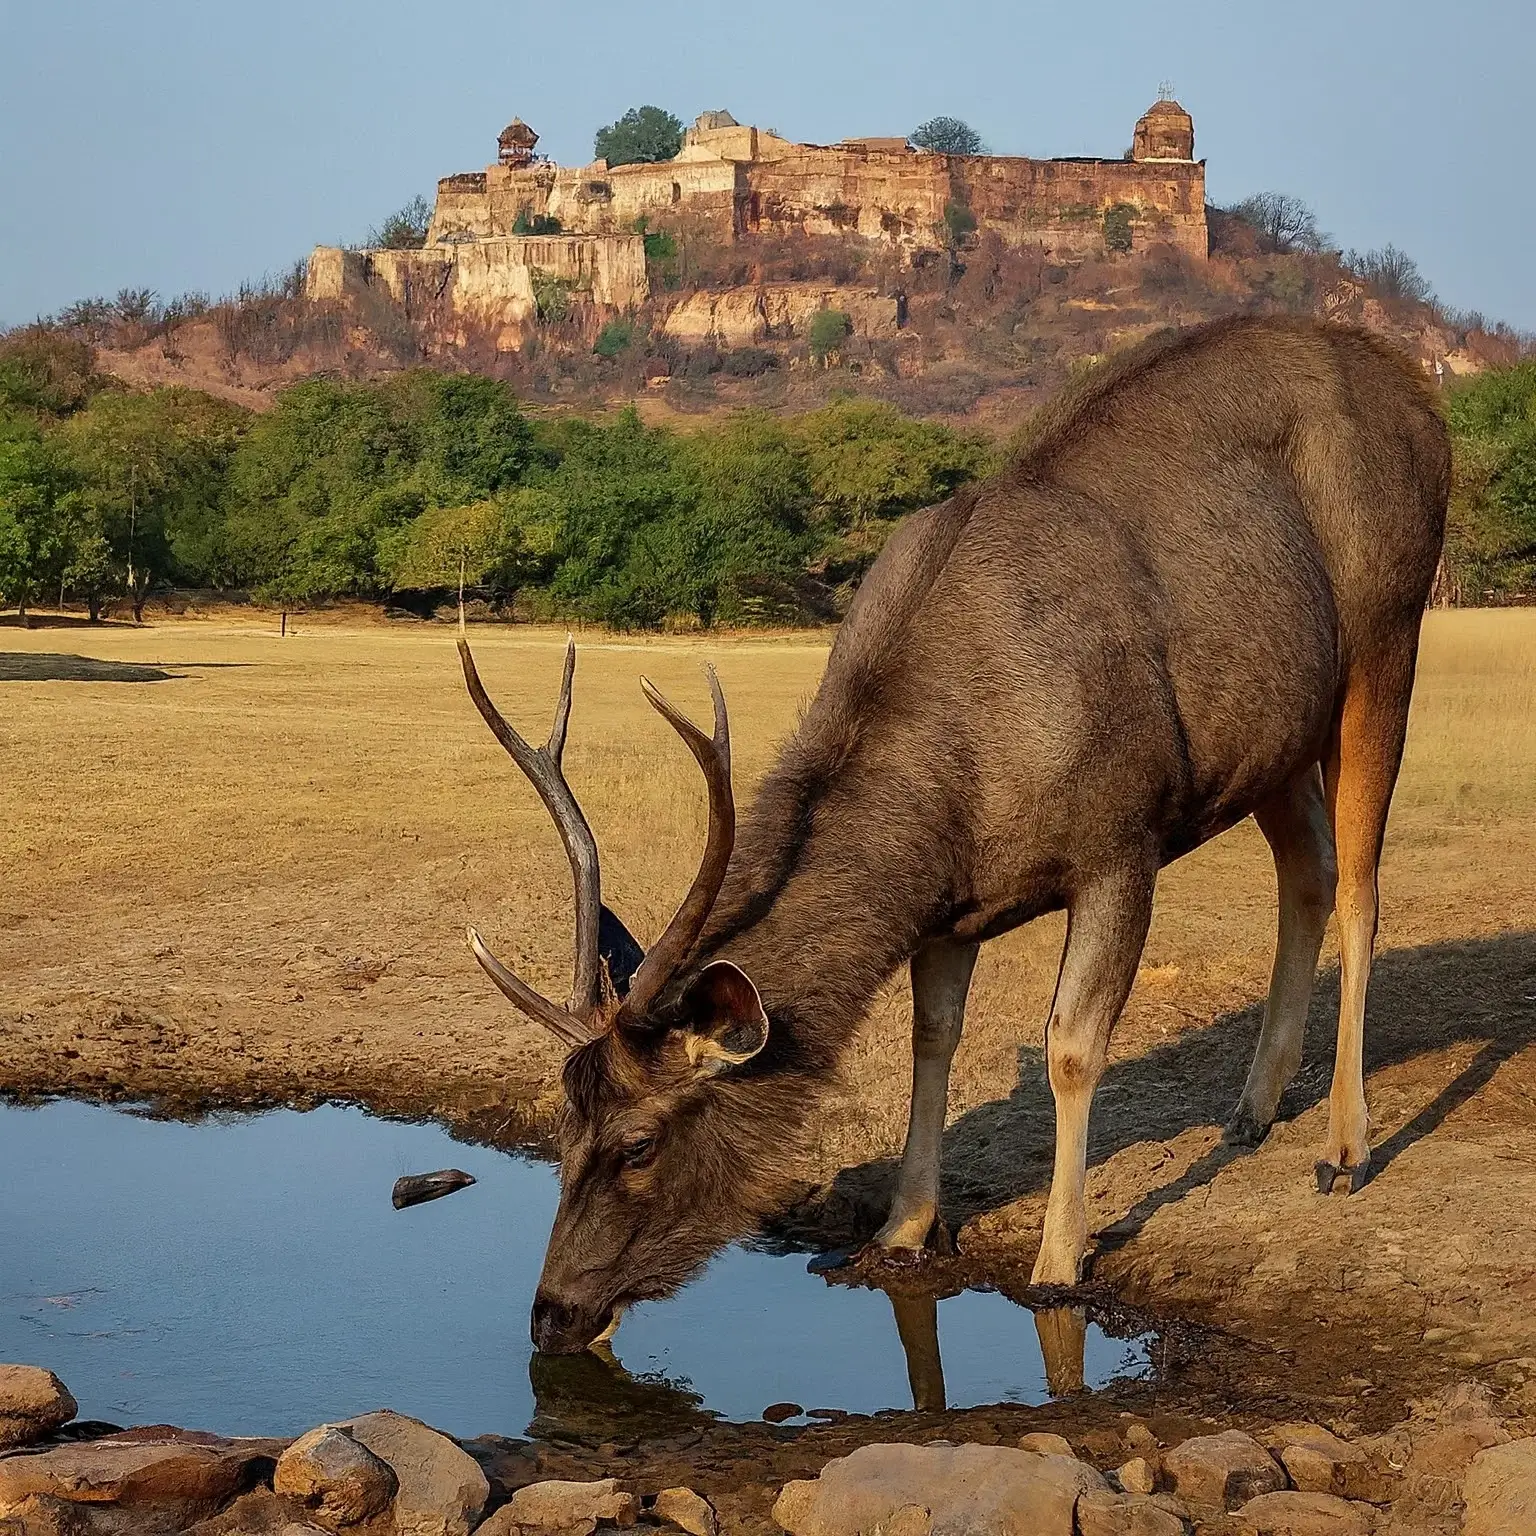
{"x": 284, "y": 629}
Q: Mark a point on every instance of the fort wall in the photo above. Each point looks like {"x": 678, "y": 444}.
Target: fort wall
{"x": 480, "y": 259}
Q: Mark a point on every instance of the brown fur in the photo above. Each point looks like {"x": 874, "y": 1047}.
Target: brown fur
{"x": 1148, "y": 626}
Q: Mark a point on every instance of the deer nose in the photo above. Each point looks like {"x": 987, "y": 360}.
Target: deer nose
{"x": 562, "y": 1328}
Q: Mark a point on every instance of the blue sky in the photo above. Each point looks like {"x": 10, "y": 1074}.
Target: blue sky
{"x": 187, "y": 144}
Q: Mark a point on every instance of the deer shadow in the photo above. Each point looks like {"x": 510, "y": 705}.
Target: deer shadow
{"x": 63, "y": 667}
{"x": 1421, "y": 1000}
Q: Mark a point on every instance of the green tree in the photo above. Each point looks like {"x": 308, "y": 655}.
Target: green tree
{"x": 642, "y": 135}
{"x": 151, "y": 470}
{"x": 322, "y": 483}
{"x": 479, "y": 541}
{"x": 870, "y": 464}
{"x": 1490, "y": 544}
{"x": 33, "y": 483}
{"x": 948, "y": 136}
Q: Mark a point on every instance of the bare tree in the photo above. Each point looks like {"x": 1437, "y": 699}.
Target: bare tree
{"x": 1390, "y": 274}
{"x": 1282, "y": 223}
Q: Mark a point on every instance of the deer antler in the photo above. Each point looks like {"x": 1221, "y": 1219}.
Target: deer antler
{"x": 542, "y": 766}
{"x": 591, "y": 988}
{"x": 713, "y": 754}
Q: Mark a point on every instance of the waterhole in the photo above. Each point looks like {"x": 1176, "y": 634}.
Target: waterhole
{"x": 248, "y": 1274}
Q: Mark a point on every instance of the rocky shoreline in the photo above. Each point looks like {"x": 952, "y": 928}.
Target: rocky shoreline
{"x": 1455, "y": 1465}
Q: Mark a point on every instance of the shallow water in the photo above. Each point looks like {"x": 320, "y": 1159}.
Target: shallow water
{"x": 249, "y": 1275}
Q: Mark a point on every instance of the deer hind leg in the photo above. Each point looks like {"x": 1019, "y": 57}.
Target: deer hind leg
{"x": 1360, "y": 773}
{"x": 1295, "y": 823}
{"x": 1106, "y": 928}
{"x": 941, "y": 978}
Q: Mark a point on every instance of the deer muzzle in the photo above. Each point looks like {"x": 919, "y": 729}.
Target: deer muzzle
{"x": 565, "y": 1328}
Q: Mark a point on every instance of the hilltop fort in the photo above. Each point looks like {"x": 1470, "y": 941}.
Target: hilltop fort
{"x": 498, "y": 233}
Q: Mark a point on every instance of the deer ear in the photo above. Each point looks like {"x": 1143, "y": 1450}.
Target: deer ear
{"x": 724, "y": 1023}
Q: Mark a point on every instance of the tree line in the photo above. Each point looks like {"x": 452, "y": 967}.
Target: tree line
{"x": 368, "y": 489}
{"x": 408, "y": 484}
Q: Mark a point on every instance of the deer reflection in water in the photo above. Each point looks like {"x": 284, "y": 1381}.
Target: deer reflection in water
{"x": 592, "y": 1396}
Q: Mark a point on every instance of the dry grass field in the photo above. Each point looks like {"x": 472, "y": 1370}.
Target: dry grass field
{"x": 240, "y": 865}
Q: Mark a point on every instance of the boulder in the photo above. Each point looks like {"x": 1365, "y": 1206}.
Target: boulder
{"x": 257, "y": 1513}
{"x": 1102, "y": 1513}
{"x": 33, "y": 1403}
{"x": 564, "y": 1506}
{"x": 1289, "y": 1513}
{"x": 152, "y": 1485}
{"x": 1317, "y": 1461}
{"x": 1043, "y": 1443}
{"x": 1223, "y": 1470}
{"x": 441, "y": 1489}
{"x": 965, "y": 1488}
{"x": 1500, "y": 1491}
{"x": 687, "y": 1509}
{"x": 336, "y": 1479}
{"x": 1137, "y": 1476}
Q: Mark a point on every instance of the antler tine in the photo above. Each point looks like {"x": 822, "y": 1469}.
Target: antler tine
{"x": 542, "y": 768}
{"x": 564, "y": 1024}
{"x": 713, "y": 754}
{"x": 556, "y": 744}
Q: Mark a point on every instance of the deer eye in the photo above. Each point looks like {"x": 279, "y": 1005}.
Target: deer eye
{"x": 637, "y": 1151}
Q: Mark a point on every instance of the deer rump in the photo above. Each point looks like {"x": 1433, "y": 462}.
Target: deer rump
{"x": 1193, "y": 594}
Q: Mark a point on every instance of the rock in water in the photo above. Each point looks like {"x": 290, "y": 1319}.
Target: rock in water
{"x": 33, "y": 1403}
{"x": 338, "y": 1480}
{"x": 416, "y": 1188}
{"x": 442, "y": 1490}
{"x": 963, "y": 1488}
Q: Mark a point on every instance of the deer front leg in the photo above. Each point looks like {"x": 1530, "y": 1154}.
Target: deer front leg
{"x": 941, "y": 977}
{"x": 1106, "y": 928}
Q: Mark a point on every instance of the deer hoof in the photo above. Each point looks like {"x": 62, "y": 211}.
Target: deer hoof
{"x": 1243, "y": 1130}
{"x": 1328, "y": 1174}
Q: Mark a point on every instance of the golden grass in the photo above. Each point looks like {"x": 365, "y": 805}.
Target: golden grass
{"x": 271, "y": 854}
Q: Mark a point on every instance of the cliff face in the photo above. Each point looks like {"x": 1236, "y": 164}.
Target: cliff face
{"x": 485, "y": 287}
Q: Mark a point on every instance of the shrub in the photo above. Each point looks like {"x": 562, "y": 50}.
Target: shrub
{"x": 662, "y": 262}
{"x": 551, "y": 297}
{"x": 1118, "y": 221}
{"x": 828, "y": 330}
{"x": 530, "y": 223}
{"x": 615, "y": 337}
{"x": 959, "y": 221}
{"x": 405, "y": 229}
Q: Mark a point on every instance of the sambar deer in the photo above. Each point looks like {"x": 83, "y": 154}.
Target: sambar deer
{"x": 1194, "y": 595}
